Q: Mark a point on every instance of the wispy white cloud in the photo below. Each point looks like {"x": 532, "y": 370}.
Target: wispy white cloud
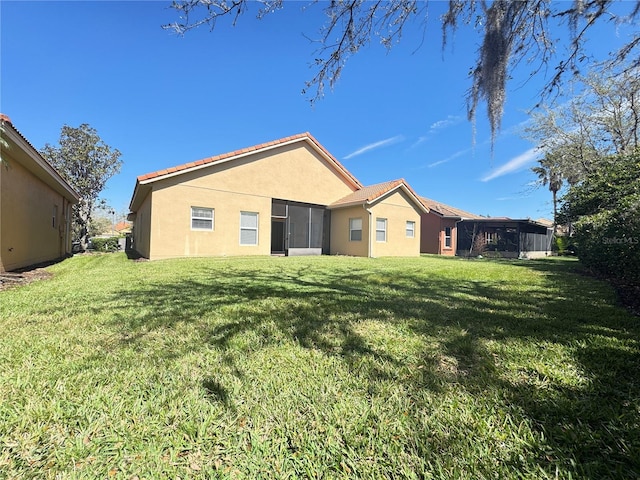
{"x": 435, "y": 127}
{"x": 419, "y": 141}
{"x": 505, "y": 199}
{"x": 513, "y": 165}
{"x": 447, "y": 122}
{"x": 375, "y": 145}
{"x": 450, "y": 157}
{"x": 516, "y": 129}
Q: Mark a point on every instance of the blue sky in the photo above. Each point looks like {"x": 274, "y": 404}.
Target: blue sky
{"x": 165, "y": 100}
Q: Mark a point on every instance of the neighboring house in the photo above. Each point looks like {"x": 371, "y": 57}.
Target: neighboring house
{"x": 285, "y": 197}
{"x": 560, "y": 229}
{"x": 504, "y": 237}
{"x": 121, "y": 228}
{"x": 35, "y": 205}
{"x": 438, "y": 233}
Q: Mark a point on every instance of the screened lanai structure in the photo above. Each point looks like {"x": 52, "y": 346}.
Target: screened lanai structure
{"x": 503, "y": 237}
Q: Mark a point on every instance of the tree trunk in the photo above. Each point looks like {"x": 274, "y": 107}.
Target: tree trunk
{"x": 555, "y": 212}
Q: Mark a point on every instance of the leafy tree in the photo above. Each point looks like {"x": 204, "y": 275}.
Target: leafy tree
{"x": 514, "y": 31}
{"x": 99, "y": 226}
{"x": 605, "y": 211}
{"x": 603, "y": 120}
{"x": 549, "y": 174}
{"x": 87, "y": 163}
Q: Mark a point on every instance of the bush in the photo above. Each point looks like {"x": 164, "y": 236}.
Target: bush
{"x": 110, "y": 244}
{"x": 563, "y": 245}
{"x": 610, "y": 241}
{"x": 606, "y": 210}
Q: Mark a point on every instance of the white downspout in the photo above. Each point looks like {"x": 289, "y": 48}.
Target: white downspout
{"x": 369, "y": 253}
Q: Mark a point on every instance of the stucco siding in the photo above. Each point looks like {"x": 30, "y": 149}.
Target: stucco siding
{"x": 432, "y": 234}
{"x": 172, "y": 235}
{"x": 340, "y": 237}
{"x": 450, "y": 250}
{"x": 142, "y": 228}
{"x": 28, "y": 232}
{"x": 249, "y": 184}
{"x": 397, "y": 209}
{"x": 290, "y": 172}
{"x": 430, "y": 229}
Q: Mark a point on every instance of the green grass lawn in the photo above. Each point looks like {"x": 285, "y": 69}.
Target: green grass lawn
{"x": 324, "y": 367}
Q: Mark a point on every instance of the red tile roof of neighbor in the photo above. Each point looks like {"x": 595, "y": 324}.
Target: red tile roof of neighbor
{"x": 243, "y": 151}
{"x": 373, "y": 192}
{"x": 122, "y": 226}
{"x": 447, "y": 210}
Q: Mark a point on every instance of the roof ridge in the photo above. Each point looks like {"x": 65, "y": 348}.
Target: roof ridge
{"x": 438, "y": 207}
{"x": 254, "y": 148}
{"x": 370, "y": 193}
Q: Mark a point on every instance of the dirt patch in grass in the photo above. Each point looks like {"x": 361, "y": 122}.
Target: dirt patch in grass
{"x": 23, "y": 277}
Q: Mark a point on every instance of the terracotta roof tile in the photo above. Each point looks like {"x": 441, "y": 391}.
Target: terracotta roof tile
{"x": 247, "y": 150}
{"x": 5, "y": 118}
{"x": 447, "y": 210}
{"x": 371, "y": 193}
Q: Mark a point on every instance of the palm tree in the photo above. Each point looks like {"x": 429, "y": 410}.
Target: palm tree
{"x": 549, "y": 174}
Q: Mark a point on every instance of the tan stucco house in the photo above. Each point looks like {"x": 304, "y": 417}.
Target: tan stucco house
{"x": 35, "y": 205}
{"x": 285, "y": 197}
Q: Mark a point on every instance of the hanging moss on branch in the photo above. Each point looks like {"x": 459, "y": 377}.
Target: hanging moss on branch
{"x": 513, "y": 32}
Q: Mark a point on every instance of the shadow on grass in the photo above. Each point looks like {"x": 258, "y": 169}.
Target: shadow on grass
{"x": 591, "y": 429}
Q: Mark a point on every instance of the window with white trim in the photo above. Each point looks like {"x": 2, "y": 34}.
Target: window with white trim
{"x": 248, "y": 228}
{"x": 447, "y": 237}
{"x": 201, "y": 218}
{"x": 381, "y": 229}
{"x": 411, "y": 229}
{"x": 355, "y": 229}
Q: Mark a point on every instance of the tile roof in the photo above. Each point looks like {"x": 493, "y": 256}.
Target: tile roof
{"x": 447, "y": 210}
{"x": 122, "y": 226}
{"x": 371, "y": 193}
{"x": 5, "y": 119}
{"x": 545, "y": 221}
{"x": 244, "y": 151}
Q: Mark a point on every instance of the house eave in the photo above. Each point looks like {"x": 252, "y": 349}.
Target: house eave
{"x": 30, "y": 158}
{"x": 140, "y": 192}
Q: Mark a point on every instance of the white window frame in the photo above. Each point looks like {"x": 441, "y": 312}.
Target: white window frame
{"x": 247, "y": 229}
{"x": 448, "y": 237}
{"x": 199, "y": 217}
{"x": 353, "y": 229}
{"x": 381, "y": 230}
{"x": 410, "y": 229}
